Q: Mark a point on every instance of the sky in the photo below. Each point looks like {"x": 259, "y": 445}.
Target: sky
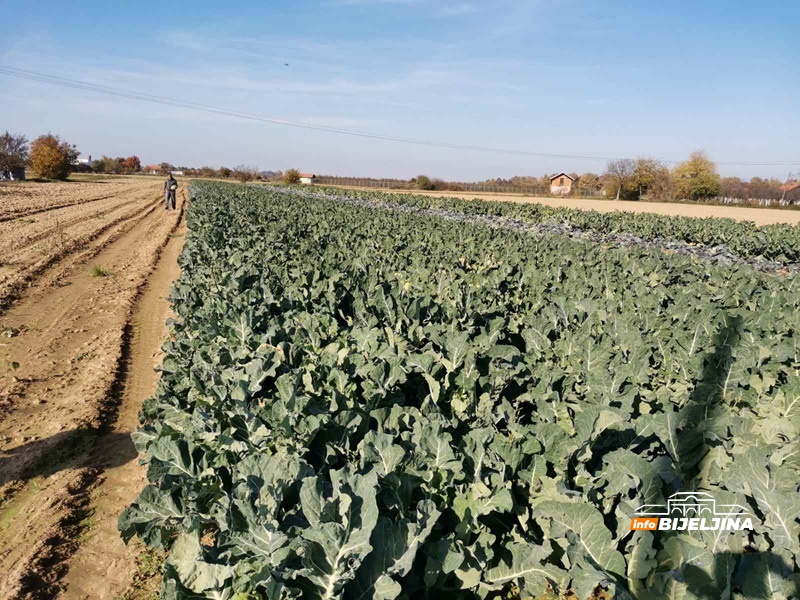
{"x": 597, "y": 78}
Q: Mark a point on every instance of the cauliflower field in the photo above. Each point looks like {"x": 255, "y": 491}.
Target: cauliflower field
{"x": 361, "y": 400}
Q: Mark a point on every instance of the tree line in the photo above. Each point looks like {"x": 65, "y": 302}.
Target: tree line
{"x": 48, "y": 156}
{"x": 51, "y": 157}
{"x": 643, "y": 178}
{"x": 635, "y": 179}
{"x": 694, "y": 179}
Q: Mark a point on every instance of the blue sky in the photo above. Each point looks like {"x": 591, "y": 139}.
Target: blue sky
{"x": 592, "y": 78}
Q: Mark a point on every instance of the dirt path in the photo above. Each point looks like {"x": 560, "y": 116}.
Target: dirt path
{"x": 103, "y": 557}
{"x": 64, "y": 425}
{"x": 760, "y": 216}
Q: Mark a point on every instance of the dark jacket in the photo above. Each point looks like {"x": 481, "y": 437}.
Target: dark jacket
{"x": 168, "y": 183}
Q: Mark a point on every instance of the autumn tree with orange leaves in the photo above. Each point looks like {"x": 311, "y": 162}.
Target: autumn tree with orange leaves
{"x": 51, "y": 157}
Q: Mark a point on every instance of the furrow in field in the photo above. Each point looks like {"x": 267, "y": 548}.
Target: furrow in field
{"x": 30, "y": 212}
{"x": 19, "y": 235}
{"x": 102, "y": 555}
{"x": 28, "y": 253}
{"x": 59, "y": 404}
{"x": 24, "y": 199}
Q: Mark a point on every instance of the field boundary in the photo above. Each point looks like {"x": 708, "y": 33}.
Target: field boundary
{"x": 757, "y": 215}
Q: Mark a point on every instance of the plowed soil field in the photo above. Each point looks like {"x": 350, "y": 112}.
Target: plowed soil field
{"x": 84, "y": 273}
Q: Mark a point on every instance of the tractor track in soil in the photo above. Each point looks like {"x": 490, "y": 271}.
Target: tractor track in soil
{"x": 86, "y": 347}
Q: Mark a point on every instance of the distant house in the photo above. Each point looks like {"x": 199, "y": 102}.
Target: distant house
{"x": 151, "y": 169}
{"x": 84, "y": 160}
{"x": 792, "y": 190}
{"x": 177, "y": 173}
{"x": 561, "y": 184}
{"x": 308, "y": 178}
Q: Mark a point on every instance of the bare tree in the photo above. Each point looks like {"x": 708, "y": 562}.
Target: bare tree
{"x": 620, "y": 173}
{"x": 244, "y": 173}
{"x": 14, "y": 151}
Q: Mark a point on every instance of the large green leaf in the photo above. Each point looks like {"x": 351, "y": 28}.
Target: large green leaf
{"x": 591, "y": 536}
{"x": 336, "y": 543}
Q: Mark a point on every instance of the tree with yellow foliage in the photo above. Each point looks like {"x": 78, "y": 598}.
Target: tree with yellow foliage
{"x": 292, "y": 177}
{"x": 697, "y": 178}
{"x": 51, "y": 157}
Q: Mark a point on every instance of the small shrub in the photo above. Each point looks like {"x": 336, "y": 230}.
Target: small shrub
{"x": 423, "y": 182}
{"x": 245, "y": 174}
{"x": 292, "y": 177}
{"x": 98, "y": 271}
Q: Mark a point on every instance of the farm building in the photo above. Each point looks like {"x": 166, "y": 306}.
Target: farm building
{"x": 152, "y": 169}
{"x": 791, "y": 192}
{"x": 561, "y": 184}
{"x": 308, "y": 178}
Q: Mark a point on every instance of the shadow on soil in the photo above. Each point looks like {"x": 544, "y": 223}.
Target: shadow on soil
{"x": 72, "y": 449}
{"x": 95, "y": 448}
{"x": 754, "y": 573}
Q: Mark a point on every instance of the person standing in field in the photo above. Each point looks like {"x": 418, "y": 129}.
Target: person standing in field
{"x": 170, "y": 188}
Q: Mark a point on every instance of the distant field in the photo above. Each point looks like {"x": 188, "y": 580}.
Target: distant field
{"x": 760, "y": 216}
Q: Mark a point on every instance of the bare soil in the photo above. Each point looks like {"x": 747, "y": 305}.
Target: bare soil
{"x": 37, "y": 230}
{"x": 103, "y": 557}
{"x": 760, "y": 216}
{"x": 79, "y": 338}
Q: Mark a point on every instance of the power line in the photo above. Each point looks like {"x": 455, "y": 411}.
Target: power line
{"x": 163, "y": 100}
{"x": 83, "y": 85}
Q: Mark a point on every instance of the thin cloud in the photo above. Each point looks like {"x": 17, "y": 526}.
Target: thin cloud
{"x": 437, "y": 8}
{"x": 375, "y": 2}
{"x": 185, "y": 40}
{"x": 458, "y": 10}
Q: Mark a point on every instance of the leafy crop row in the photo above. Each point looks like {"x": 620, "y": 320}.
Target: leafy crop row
{"x": 778, "y": 242}
{"x": 360, "y": 403}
